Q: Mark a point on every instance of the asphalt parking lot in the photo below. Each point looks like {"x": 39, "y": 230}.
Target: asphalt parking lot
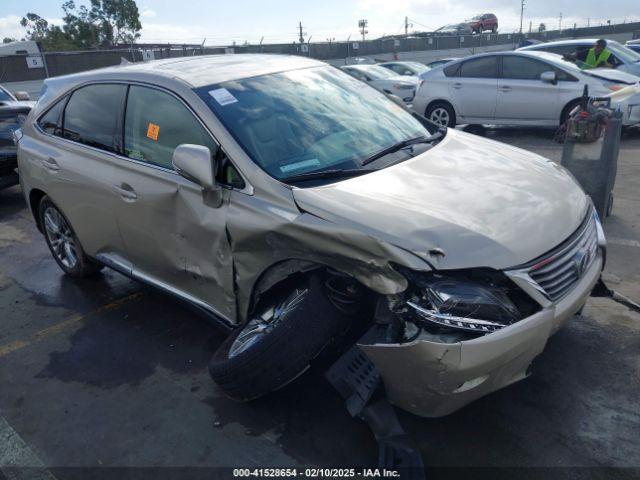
{"x": 109, "y": 373}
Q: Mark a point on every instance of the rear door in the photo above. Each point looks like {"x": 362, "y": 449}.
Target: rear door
{"x": 474, "y": 88}
{"x": 75, "y": 154}
{"x": 521, "y": 93}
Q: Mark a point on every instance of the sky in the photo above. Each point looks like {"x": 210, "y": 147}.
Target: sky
{"x": 276, "y": 21}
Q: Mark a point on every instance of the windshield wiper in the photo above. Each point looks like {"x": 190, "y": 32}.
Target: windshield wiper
{"x": 322, "y": 174}
{"x": 400, "y": 145}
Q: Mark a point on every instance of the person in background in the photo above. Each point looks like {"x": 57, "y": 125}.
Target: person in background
{"x": 598, "y": 56}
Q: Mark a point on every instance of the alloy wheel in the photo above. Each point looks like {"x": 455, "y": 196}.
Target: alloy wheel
{"x": 440, "y": 116}
{"x": 260, "y": 325}
{"x": 60, "y": 238}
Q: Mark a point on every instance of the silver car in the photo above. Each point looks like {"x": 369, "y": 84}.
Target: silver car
{"x": 623, "y": 58}
{"x": 516, "y": 88}
{"x": 293, "y": 203}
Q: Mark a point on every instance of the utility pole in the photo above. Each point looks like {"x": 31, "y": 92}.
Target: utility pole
{"x": 530, "y": 25}
{"x": 560, "y": 23}
{"x": 521, "y": 14}
{"x": 406, "y": 26}
{"x": 362, "y": 24}
{"x": 302, "y": 34}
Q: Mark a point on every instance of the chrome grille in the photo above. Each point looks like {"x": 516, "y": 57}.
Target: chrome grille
{"x": 559, "y": 270}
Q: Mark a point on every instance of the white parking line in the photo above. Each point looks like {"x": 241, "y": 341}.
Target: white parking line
{"x": 17, "y": 460}
{"x": 627, "y": 242}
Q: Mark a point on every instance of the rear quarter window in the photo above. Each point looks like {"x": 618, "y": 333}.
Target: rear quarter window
{"x": 92, "y": 116}
{"x": 452, "y": 70}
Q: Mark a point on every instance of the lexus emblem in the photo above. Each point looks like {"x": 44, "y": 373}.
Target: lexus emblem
{"x": 581, "y": 261}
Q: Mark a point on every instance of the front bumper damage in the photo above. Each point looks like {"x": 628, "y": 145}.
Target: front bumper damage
{"x": 434, "y": 379}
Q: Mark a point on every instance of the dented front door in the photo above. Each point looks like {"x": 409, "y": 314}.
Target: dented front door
{"x": 174, "y": 237}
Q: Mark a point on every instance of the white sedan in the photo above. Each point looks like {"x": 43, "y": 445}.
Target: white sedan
{"x": 516, "y": 88}
{"x": 385, "y": 80}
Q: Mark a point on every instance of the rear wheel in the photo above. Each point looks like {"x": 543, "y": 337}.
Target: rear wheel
{"x": 442, "y": 114}
{"x": 278, "y": 342}
{"x": 63, "y": 243}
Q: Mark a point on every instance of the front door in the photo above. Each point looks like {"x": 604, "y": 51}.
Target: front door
{"x": 173, "y": 238}
{"x": 522, "y": 95}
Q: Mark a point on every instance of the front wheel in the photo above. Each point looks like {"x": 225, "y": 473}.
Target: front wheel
{"x": 441, "y": 114}
{"x": 279, "y": 341}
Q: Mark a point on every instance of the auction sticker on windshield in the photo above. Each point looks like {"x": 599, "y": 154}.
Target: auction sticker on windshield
{"x": 312, "y": 162}
{"x": 223, "y": 96}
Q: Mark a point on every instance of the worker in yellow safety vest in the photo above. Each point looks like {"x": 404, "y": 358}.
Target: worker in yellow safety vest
{"x": 598, "y": 56}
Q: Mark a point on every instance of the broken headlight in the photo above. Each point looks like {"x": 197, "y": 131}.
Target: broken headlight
{"x": 463, "y": 305}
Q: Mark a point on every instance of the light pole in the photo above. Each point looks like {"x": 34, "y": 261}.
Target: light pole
{"x": 521, "y": 14}
{"x": 362, "y": 24}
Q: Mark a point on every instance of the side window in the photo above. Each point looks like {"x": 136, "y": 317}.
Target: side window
{"x": 92, "y": 116}
{"x": 520, "y": 68}
{"x": 483, "y": 67}
{"x": 51, "y": 122}
{"x": 452, "y": 70}
{"x": 156, "y": 123}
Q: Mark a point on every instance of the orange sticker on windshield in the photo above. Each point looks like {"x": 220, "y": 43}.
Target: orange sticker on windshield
{"x": 152, "y": 131}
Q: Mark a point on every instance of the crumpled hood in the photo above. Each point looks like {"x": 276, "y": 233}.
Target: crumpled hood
{"x": 482, "y": 202}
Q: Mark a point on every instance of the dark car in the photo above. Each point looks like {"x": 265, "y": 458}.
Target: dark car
{"x": 484, "y": 21}
{"x": 12, "y": 114}
{"x": 455, "y": 29}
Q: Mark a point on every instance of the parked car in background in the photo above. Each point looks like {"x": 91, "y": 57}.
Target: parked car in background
{"x": 295, "y": 205}
{"x": 484, "y": 21}
{"x": 633, "y": 45}
{"x": 515, "y": 88}
{"x": 455, "y": 29}
{"x": 622, "y": 58}
{"x": 441, "y": 61}
{"x": 405, "y": 68}
{"x": 14, "y": 108}
{"x": 385, "y": 80}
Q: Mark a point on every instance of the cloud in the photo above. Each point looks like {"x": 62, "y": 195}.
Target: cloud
{"x": 10, "y": 27}
{"x": 146, "y": 12}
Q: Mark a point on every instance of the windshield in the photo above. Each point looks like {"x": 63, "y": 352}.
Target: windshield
{"x": 378, "y": 73}
{"x": 623, "y": 53}
{"x": 309, "y": 120}
{"x": 4, "y": 95}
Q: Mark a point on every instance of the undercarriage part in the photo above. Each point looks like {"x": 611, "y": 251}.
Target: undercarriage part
{"x": 357, "y": 380}
{"x": 601, "y": 290}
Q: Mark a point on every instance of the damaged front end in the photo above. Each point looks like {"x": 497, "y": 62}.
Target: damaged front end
{"x": 455, "y": 336}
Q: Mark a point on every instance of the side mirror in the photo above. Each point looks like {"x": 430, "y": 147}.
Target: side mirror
{"x": 549, "y": 77}
{"x": 22, "y": 96}
{"x": 194, "y": 163}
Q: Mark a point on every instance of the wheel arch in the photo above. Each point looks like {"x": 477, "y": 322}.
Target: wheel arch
{"x": 35, "y": 196}
{"x": 283, "y": 271}
{"x": 567, "y": 108}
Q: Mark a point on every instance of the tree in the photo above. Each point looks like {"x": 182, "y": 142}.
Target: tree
{"x": 102, "y": 24}
{"x": 542, "y": 28}
{"x": 8, "y": 40}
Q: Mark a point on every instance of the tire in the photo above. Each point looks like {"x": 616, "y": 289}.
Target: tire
{"x": 564, "y": 116}
{"x": 63, "y": 242}
{"x": 441, "y": 113}
{"x": 609, "y": 207}
{"x": 268, "y": 361}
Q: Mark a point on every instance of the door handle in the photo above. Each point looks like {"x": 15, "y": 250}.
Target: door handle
{"x": 505, "y": 88}
{"x": 125, "y": 191}
{"x": 457, "y": 85}
{"x": 51, "y": 164}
